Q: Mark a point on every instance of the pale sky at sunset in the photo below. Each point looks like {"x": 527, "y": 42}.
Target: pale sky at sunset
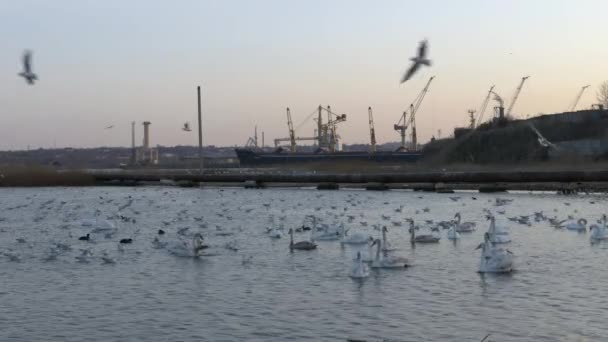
{"x": 113, "y": 62}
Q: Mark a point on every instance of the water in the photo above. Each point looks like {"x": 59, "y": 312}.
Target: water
{"x": 263, "y": 292}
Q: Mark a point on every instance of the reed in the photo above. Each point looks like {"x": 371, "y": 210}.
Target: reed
{"x": 31, "y": 176}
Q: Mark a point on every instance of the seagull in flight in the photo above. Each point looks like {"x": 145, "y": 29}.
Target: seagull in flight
{"x": 109, "y": 127}
{"x": 27, "y": 73}
{"x": 541, "y": 140}
{"x": 419, "y": 60}
{"x": 186, "y": 127}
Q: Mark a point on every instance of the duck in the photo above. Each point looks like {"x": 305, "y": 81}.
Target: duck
{"x": 301, "y": 245}
{"x": 387, "y": 261}
{"x": 598, "y": 232}
{"x": 425, "y": 238}
{"x": 85, "y": 238}
{"x": 359, "y": 270}
{"x": 494, "y": 259}
{"x": 126, "y": 241}
{"x": 464, "y": 227}
{"x": 580, "y": 225}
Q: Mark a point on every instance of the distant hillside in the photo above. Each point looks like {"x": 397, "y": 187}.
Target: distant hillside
{"x": 576, "y": 134}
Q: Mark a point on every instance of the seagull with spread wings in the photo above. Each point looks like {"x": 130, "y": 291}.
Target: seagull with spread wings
{"x": 419, "y": 60}
{"x": 27, "y": 73}
{"x": 541, "y": 139}
{"x": 109, "y": 127}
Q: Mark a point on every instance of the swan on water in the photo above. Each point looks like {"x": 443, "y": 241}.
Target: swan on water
{"x": 386, "y": 245}
{"x": 325, "y": 233}
{"x": 355, "y": 239}
{"x": 580, "y": 225}
{"x": 598, "y": 231}
{"x": 424, "y": 238}
{"x": 359, "y": 270}
{"x": 494, "y": 259}
{"x": 301, "y": 245}
{"x": 463, "y": 227}
{"x": 189, "y": 249}
{"x": 453, "y": 234}
{"x": 387, "y": 261}
{"x": 497, "y": 234}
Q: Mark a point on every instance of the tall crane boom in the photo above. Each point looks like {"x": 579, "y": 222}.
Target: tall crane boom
{"x": 292, "y": 134}
{"x": 401, "y": 126}
{"x": 578, "y": 98}
{"x": 414, "y": 109}
{"x": 516, "y": 95}
{"x": 483, "y": 107}
{"x": 372, "y": 130}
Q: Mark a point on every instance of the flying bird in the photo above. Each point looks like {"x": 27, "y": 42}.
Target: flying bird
{"x": 109, "y": 127}
{"x": 541, "y": 139}
{"x": 419, "y": 60}
{"x": 27, "y": 73}
{"x": 186, "y": 127}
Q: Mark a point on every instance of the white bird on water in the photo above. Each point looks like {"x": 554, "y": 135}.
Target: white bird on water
{"x": 579, "y": 226}
{"x": 598, "y": 232}
{"x": 27, "y": 73}
{"x": 387, "y": 261}
{"x": 424, "y": 238}
{"x": 494, "y": 259}
{"x": 497, "y": 234}
{"x": 419, "y": 60}
{"x": 359, "y": 270}
{"x": 192, "y": 249}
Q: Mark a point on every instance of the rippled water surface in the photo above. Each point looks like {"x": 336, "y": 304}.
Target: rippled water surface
{"x": 250, "y": 287}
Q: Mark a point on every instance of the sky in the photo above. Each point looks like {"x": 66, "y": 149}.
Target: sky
{"x": 112, "y": 62}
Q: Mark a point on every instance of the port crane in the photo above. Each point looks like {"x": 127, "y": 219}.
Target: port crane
{"x": 327, "y": 132}
{"x": 516, "y": 95}
{"x": 402, "y": 125}
{"x": 483, "y": 107}
{"x": 292, "y": 135}
{"x": 578, "y": 98}
{"x": 372, "y": 130}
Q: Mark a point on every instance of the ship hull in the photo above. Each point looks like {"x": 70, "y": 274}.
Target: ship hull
{"x": 252, "y": 158}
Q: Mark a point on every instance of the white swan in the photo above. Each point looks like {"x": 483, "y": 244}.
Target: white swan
{"x": 302, "y": 245}
{"x": 494, "y": 259}
{"x": 359, "y": 270}
{"x": 497, "y": 234}
{"x": 327, "y": 234}
{"x": 186, "y": 249}
{"x": 453, "y": 234}
{"x": 580, "y": 225}
{"x": 598, "y": 232}
{"x": 274, "y": 233}
{"x": 387, "y": 261}
{"x": 464, "y": 227}
{"x": 386, "y": 245}
{"x": 424, "y": 238}
{"x": 355, "y": 239}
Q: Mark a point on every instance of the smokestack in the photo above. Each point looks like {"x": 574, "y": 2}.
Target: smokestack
{"x": 146, "y": 134}
{"x": 133, "y": 142}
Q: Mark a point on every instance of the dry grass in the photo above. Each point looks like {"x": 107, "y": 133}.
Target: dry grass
{"x": 30, "y": 176}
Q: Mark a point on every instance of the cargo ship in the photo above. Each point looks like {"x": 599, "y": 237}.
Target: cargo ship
{"x": 249, "y": 157}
